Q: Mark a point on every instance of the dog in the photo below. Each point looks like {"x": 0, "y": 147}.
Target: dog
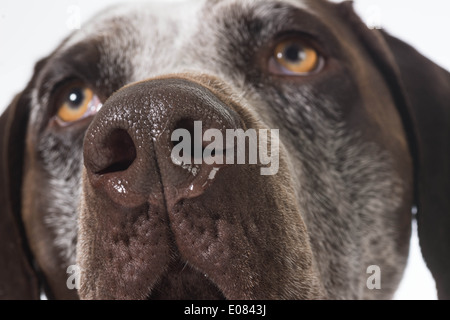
{"x": 88, "y": 179}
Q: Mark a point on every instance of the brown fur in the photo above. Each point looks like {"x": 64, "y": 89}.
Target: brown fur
{"x": 362, "y": 141}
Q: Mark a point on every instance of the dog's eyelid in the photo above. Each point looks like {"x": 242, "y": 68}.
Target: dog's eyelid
{"x": 306, "y": 35}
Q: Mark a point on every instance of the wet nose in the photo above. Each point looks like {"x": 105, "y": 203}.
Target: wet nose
{"x": 150, "y": 135}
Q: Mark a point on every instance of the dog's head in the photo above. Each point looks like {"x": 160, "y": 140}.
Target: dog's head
{"x": 347, "y": 128}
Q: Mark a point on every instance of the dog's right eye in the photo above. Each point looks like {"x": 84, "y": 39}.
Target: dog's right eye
{"x": 75, "y": 102}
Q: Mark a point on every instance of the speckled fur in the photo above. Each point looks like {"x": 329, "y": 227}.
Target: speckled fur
{"x": 346, "y": 185}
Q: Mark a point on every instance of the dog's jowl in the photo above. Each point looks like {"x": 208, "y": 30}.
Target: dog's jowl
{"x": 225, "y": 149}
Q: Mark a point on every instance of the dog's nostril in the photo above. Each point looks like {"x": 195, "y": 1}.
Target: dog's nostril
{"x": 121, "y": 152}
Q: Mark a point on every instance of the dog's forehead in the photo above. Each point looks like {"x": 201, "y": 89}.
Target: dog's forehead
{"x": 175, "y": 20}
{"x": 184, "y": 13}
{"x": 160, "y": 37}
{"x": 188, "y": 11}
{"x": 155, "y": 19}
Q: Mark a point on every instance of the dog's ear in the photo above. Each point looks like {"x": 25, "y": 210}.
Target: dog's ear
{"x": 421, "y": 90}
{"x": 428, "y": 90}
{"x": 18, "y": 279}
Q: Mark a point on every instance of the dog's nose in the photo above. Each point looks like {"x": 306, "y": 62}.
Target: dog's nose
{"x": 129, "y": 147}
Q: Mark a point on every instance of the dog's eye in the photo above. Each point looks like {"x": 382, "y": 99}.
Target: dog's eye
{"x": 75, "y": 102}
{"x": 294, "y": 57}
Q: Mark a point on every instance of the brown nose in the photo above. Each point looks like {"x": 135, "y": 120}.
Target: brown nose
{"x": 129, "y": 147}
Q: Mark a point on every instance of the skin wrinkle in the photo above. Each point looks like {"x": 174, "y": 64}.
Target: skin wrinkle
{"x": 339, "y": 180}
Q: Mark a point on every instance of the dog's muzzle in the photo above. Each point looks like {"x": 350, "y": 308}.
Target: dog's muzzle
{"x": 154, "y": 226}
{"x": 128, "y": 155}
{"x": 128, "y": 151}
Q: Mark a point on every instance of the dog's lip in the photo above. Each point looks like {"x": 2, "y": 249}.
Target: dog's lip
{"x": 177, "y": 283}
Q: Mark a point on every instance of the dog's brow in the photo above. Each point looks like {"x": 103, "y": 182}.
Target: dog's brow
{"x": 79, "y": 59}
{"x": 277, "y": 15}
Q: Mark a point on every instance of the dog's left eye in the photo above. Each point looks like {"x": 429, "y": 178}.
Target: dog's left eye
{"x": 295, "y": 57}
{"x": 76, "y": 101}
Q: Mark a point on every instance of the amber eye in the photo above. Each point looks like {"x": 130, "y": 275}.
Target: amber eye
{"x": 295, "y": 57}
{"x": 75, "y": 102}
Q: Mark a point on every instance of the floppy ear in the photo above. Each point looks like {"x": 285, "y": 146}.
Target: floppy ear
{"x": 421, "y": 90}
{"x": 427, "y": 87}
{"x": 18, "y": 280}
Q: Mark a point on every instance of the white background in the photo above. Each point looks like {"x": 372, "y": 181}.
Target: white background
{"x": 29, "y": 30}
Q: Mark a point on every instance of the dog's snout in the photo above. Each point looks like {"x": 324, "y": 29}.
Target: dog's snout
{"x": 129, "y": 149}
